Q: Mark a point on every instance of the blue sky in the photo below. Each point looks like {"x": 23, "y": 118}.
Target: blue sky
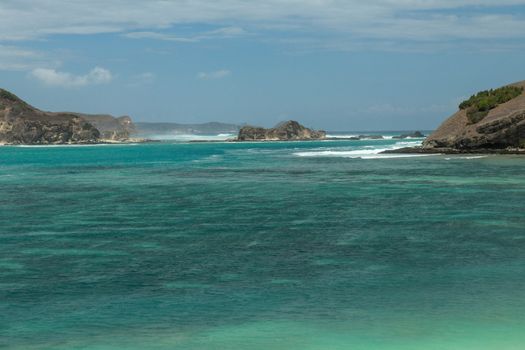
{"x": 336, "y": 65}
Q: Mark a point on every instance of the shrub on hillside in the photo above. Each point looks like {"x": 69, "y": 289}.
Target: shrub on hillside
{"x": 479, "y": 105}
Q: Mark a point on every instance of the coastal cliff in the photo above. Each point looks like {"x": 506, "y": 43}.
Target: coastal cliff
{"x": 21, "y": 123}
{"x": 111, "y": 128}
{"x": 490, "y": 120}
{"x": 285, "y": 131}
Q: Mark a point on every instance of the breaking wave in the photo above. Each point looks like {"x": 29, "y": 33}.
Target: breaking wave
{"x": 368, "y": 152}
{"x": 190, "y": 137}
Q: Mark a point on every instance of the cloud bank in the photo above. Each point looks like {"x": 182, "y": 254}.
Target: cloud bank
{"x": 52, "y": 77}
{"x": 19, "y": 59}
{"x": 423, "y": 20}
{"x": 220, "y": 33}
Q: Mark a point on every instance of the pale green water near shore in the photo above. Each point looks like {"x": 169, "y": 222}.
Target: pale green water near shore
{"x": 309, "y": 245}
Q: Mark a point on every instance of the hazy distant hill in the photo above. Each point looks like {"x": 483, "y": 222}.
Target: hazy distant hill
{"x": 176, "y": 128}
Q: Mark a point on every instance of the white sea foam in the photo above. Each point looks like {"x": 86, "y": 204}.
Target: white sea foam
{"x": 384, "y": 137}
{"x": 389, "y": 156}
{"x": 345, "y": 154}
{"x": 190, "y": 137}
{"x": 367, "y": 152}
{"x": 341, "y": 136}
{"x": 212, "y": 158}
{"x": 407, "y": 144}
{"x": 347, "y": 136}
{"x": 466, "y": 157}
{"x": 362, "y": 154}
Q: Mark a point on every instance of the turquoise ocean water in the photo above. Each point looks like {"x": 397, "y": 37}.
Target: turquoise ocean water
{"x": 306, "y": 245}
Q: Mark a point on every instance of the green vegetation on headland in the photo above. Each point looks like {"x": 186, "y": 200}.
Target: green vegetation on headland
{"x": 503, "y": 133}
{"x": 4, "y": 94}
{"x": 479, "y": 105}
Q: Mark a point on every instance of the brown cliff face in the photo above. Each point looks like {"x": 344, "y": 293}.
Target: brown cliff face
{"x": 503, "y": 127}
{"x": 286, "y": 131}
{"x": 111, "y": 128}
{"x": 21, "y": 123}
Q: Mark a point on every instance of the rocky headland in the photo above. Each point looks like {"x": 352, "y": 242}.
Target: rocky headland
{"x": 21, "y": 123}
{"x": 491, "y": 121}
{"x": 285, "y": 131}
{"x": 111, "y": 128}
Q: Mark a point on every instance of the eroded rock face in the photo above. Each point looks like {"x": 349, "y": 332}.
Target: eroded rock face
{"x": 286, "y": 131}
{"x": 43, "y": 132}
{"x": 114, "y": 129}
{"x": 21, "y": 123}
{"x": 503, "y": 127}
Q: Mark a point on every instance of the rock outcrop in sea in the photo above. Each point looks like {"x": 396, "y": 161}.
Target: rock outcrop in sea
{"x": 21, "y": 123}
{"x": 413, "y": 135}
{"x": 491, "y": 126}
{"x": 285, "y": 131}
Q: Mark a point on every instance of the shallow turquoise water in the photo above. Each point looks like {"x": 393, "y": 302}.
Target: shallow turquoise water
{"x": 260, "y": 246}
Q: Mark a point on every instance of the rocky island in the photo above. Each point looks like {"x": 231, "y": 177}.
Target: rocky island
{"x": 286, "y": 131}
{"x": 491, "y": 121}
{"x": 21, "y": 123}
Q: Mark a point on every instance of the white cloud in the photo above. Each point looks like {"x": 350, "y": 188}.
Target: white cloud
{"x": 158, "y": 36}
{"x": 227, "y": 32}
{"x": 420, "y": 20}
{"x": 18, "y": 59}
{"x": 219, "y": 74}
{"x": 53, "y": 77}
{"x": 220, "y": 33}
